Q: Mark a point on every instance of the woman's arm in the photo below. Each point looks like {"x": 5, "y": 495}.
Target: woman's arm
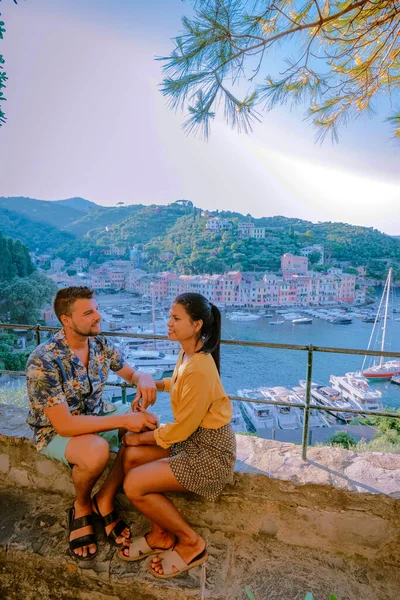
{"x": 195, "y": 396}
{"x": 137, "y": 439}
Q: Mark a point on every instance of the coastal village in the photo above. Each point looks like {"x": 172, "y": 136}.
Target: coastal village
{"x": 295, "y": 285}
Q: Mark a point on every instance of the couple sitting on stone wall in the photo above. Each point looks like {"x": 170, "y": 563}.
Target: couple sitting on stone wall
{"x": 71, "y": 423}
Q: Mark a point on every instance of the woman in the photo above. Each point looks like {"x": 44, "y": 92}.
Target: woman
{"x": 194, "y": 453}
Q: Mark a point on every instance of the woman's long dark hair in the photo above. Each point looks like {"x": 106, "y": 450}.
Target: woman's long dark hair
{"x": 199, "y": 308}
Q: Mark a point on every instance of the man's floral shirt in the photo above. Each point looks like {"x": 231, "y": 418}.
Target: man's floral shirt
{"x": 54, "y": 374}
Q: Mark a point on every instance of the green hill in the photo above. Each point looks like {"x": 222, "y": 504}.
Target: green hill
{"x": 34, "y": 234}
{"x": 52, "y": 213}
{"x": 175, "y": 236}
{"x": 77, "y": 203}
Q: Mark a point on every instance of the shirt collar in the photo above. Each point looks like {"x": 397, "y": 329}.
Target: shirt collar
{"x": 61, "y": 339}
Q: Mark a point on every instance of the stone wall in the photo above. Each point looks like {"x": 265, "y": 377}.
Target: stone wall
{"x": 335, "y": 501}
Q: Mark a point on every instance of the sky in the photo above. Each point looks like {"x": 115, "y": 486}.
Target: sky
{"x": 85, "y": 117}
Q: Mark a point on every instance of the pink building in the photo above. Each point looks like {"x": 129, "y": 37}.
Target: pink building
{"x": 347, "y": 288}
{"x": 294, "y": 264}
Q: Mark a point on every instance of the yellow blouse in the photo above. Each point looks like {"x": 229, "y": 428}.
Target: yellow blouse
{"x": 197, "y": 398}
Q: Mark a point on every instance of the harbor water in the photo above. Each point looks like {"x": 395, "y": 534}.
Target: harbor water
{"x": 249, "y": 367}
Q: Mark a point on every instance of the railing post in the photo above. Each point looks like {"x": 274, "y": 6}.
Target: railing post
{"x": 37, "y": 335}
{"x": 123, "y": 394}
{"x": 308, "y": 400}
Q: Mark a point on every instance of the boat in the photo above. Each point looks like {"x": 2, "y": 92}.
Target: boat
{"x": 152, "y": 358}
{"x": 288, "y": 417}
{"x": 238, "y": 316}
{"x": 278, "y": 322}
{"x": 237, "y": 420}
{"x": 302, "y": 321}
{"x": 340, "y": 320}
{"x": 395, "y": 379}
{"x": 316, "y": 417}
{"x": 330, "y": 397}
{"x": 369, "y": 319}
{"x": 141, "y": 310}
{"x": 268, "y": 316}
{"x": 355, "y": 388}
{"x": 381, "y": 369}
{"x": 261, "y": 416}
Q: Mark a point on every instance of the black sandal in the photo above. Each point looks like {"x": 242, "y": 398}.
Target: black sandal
{"x": 84, "y": 540}
{"x": 107, "y": 520}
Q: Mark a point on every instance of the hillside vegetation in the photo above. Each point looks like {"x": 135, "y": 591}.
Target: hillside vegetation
{"x": 175, "y": 236}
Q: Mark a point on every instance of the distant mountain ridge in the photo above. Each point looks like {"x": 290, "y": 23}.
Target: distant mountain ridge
{"x": 77, "y": 203}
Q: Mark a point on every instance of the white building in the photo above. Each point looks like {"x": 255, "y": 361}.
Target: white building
{"x": 248, "y": 229}
{"x": 57, "y": 265}
{"x": 257, "y": 232}
{"x": 314, "y": 248}
{"x": 218, "y": 224}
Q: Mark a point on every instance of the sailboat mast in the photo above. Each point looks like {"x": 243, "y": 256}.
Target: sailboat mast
{"x": 386, "y": 312}
{"x": 153, "y": 313}
{"x": 377, "y": 319}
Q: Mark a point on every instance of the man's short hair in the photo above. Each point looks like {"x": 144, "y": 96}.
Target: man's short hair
{"x": 66, "y": 297}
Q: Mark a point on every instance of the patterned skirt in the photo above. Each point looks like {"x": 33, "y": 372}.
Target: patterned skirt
{"x": 204, "y": 463}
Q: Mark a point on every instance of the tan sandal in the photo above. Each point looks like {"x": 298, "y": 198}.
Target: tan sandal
{"x": 171, "y": 558}
{"x": 138, "y": 549}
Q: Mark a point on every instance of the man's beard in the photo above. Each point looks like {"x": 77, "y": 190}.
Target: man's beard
{"x": 89, "y": 333}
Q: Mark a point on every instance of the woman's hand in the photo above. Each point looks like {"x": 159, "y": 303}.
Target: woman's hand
{"x": 130, "y": 439}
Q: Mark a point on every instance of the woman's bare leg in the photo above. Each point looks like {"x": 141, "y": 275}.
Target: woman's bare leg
{"x": 135, "y": 456}
{"x": 144, "y": 486}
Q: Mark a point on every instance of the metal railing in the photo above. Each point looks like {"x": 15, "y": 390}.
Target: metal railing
{"x": 310, "y": 349}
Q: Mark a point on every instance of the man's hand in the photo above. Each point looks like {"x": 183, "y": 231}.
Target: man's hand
{"x": 146, "y": 392}
{"x": 140, "y": 421}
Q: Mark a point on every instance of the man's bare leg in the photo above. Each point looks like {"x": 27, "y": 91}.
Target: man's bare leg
{"x": 127, "y": 459}
{"x": 89, "y": 455}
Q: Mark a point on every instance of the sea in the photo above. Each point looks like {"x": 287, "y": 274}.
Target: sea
{"x": 250, "y": 367}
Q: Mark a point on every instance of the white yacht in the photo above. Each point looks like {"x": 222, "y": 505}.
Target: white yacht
{"x": 356, "y": 389}
{"x": 329, "y": 396}
{"x": 262, "y": 416}
{"x": 152, "y": 358}
{"x": 239, "y": 316}
{"x": 316, "y": 418}
{"x": 288, "y": 417}
{"x": 302, "y": 321}
{"x": 237, "y": 421}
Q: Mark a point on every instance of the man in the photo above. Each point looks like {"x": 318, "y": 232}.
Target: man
{"x": 71, "y": 423}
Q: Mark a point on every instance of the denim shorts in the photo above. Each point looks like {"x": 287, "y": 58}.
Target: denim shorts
{"x": 56, "y": 448}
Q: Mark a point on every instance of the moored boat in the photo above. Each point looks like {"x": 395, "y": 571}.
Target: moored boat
{"x": 330, "y": 397}
{"x": 302, "y": 321}
{"x": 262, "y": 416}
{"x": 238, "y": 316}
{"x": 288, "y": 417}
{"x": 384, "y": 369}
{"x": 356, "y": 389}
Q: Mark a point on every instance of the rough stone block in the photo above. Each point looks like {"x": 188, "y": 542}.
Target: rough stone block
{"x": 4, "y": 463}
{"x": 19, "y": 477}
{"x": 47, "y": 467}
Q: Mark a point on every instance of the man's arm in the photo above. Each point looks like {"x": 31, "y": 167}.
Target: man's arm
{"x": 68, "y": 425}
